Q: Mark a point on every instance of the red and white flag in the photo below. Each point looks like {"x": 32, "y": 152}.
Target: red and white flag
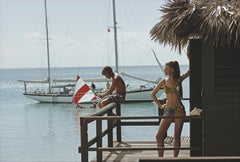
{"x": 82, "y": 92}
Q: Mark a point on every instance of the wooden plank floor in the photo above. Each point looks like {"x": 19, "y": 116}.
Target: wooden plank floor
{"x": 133, "y": 156}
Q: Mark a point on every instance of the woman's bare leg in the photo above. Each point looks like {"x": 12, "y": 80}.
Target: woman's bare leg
{"x": 177, "y": 135}
{"x": 162, "y": 130}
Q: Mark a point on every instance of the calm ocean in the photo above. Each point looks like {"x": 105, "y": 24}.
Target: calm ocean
{"x": 32, "y": 131}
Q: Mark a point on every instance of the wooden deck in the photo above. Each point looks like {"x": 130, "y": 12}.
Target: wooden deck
{"x": 136, "y": 155}
{"x": 138, "y": 151}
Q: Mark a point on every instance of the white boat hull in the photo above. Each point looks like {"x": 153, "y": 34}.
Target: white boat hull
{"x": 131, "y": 96}
{"x": 49, "y": 98}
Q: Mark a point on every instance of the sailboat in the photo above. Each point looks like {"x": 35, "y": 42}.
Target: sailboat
{"x": 64, "y": 93}
{"x": 56, "y": 93}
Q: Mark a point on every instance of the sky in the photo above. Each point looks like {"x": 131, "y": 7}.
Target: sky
{"x": 79, "y": 35}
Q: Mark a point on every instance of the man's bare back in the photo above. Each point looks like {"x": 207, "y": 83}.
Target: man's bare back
{"x": 118, "y": 84}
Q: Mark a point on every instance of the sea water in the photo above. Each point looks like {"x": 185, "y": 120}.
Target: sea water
{"x": 32, "y": 131}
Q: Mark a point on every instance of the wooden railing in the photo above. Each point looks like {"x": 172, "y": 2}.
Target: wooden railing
{"x": 98, "y": 117}
{"x": 114, "y": 120}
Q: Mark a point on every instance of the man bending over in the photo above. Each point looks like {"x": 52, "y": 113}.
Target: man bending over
{"x": 117, "y": 91}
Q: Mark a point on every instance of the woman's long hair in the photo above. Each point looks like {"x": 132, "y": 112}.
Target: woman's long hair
{"x": 176, "y": 74}
{"x": 176, "y": 69}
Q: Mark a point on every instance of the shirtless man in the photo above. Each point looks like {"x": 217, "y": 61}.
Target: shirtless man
{"x": 117, "y": 91}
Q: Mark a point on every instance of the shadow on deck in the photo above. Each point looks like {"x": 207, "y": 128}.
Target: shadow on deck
{"x": 134, "y": 151}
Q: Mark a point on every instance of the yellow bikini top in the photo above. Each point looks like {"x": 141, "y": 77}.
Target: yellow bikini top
{"x": 168, "y": 90}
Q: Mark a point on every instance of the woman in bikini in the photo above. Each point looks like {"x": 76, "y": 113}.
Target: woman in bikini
{"x": 173, "y": 106}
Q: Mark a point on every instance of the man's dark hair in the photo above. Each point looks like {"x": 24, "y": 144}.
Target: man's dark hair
{"x": 107, "y": 70}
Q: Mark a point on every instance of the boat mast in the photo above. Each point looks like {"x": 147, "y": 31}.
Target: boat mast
{"x": 48, "y": 58}
{"x": 115, "y": 35}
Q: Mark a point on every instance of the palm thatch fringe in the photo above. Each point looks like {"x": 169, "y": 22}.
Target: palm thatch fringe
{"x": 215, "y": 21}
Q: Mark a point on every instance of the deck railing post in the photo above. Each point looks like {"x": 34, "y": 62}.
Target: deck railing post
{"x": 119, "y": 128}
{"x": 84, "y": 140}
{"x": 110, "y": 129}
{"x": 99, "y": 139}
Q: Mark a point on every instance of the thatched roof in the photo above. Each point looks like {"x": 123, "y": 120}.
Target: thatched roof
{"x": 214, "y": 21}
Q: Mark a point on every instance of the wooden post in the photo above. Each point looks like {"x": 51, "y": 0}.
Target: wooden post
{"x": 110, "y": 129}
{"x": 195, "y": 49}
{"x": 119, "y": 130}
{"x": 84, "y": 139}
{"x": 99, "y": 139}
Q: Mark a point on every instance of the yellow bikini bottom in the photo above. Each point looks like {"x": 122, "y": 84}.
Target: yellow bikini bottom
{"x": 173, "y": 111}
